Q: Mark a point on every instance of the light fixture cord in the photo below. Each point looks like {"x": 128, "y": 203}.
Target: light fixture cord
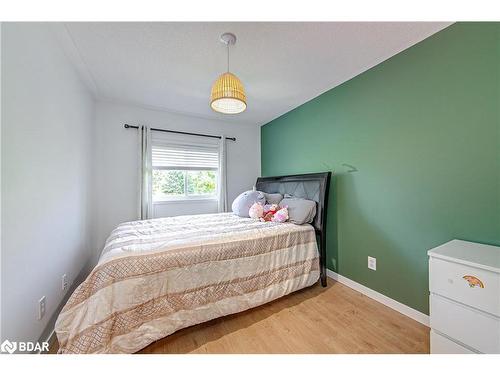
{"x": 228, "y": 57}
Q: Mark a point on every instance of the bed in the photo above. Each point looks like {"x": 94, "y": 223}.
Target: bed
{"x": 157, "y": 276}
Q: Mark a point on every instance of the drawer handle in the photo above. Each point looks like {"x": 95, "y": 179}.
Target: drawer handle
{"x": 473, "y": 281}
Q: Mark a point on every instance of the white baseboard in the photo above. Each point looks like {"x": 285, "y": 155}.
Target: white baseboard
{"x": 379, "y": 297}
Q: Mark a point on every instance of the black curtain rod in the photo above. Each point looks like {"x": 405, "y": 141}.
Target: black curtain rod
{"x": 126, "y": 126}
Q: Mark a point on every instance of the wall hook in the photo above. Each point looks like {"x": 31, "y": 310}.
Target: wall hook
{"x": 352, "y": 167}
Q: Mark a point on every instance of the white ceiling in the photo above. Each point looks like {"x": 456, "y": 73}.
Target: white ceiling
{"x": 172, "y": 66}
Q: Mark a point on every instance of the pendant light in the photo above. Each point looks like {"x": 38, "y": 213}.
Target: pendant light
{"x": 228, "y": 95}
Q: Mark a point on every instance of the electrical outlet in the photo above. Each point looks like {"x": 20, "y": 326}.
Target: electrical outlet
{"x": 372, "y": 263}
{"x": 64, "y": 282}
{"x": 41, "y": 308}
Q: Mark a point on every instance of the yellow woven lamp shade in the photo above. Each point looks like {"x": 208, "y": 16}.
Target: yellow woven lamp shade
{"x": 228, "y": 95}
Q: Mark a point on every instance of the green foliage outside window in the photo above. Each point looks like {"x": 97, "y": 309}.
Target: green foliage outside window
{"x": 168, "y": 183}
{"x": 201, "y": 182}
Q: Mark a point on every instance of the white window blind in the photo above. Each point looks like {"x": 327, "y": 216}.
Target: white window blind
{"x": 185, "y": 157}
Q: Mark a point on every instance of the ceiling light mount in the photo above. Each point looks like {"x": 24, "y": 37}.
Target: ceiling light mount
{"x": 228, "y": 39}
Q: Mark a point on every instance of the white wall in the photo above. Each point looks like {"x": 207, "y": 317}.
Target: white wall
{"x": 173, "y": 208}
{"x": 117, "y": 161}
{"x": 69, "y": 173}
{"x": 47, "y": 130}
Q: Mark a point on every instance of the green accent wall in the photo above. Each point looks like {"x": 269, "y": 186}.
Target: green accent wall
{"x": 423, "y": 131}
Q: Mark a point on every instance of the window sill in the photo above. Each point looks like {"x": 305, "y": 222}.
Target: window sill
{"x": 186, "y": 200}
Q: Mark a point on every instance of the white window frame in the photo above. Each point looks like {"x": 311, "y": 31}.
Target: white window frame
{"x": 189, "y": 197}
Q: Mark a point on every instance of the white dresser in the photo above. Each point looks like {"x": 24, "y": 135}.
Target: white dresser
{"x": 464, "y": 283}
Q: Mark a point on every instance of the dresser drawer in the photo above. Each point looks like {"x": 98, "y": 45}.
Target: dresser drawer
{"x": 443, "y": 345}
{"x": 476, "y": 329}
{"x": 471, "y": 286}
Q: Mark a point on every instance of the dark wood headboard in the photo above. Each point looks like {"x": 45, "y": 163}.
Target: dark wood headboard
{"x": 312, "y": 186}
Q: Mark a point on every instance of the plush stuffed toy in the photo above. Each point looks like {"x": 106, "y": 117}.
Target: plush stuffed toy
{"x": 281, "y": 215}
{"x": 270, "y": 207}
{"x": 243, "y": 202}
{"x": 256, "y": 211}
{"x": 269, "y": 211}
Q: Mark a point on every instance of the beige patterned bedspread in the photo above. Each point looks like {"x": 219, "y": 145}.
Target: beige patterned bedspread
{"x": 157, "y": 276}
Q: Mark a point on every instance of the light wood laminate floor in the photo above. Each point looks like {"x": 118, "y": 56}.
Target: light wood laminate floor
{"x": 335, "y": 319}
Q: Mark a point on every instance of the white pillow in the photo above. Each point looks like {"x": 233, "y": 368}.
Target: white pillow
{"x": 273, "y": 198}
{"x": 300, "y": 210}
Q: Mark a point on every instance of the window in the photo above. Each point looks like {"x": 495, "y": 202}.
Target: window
{"x": 184, "y": 172}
